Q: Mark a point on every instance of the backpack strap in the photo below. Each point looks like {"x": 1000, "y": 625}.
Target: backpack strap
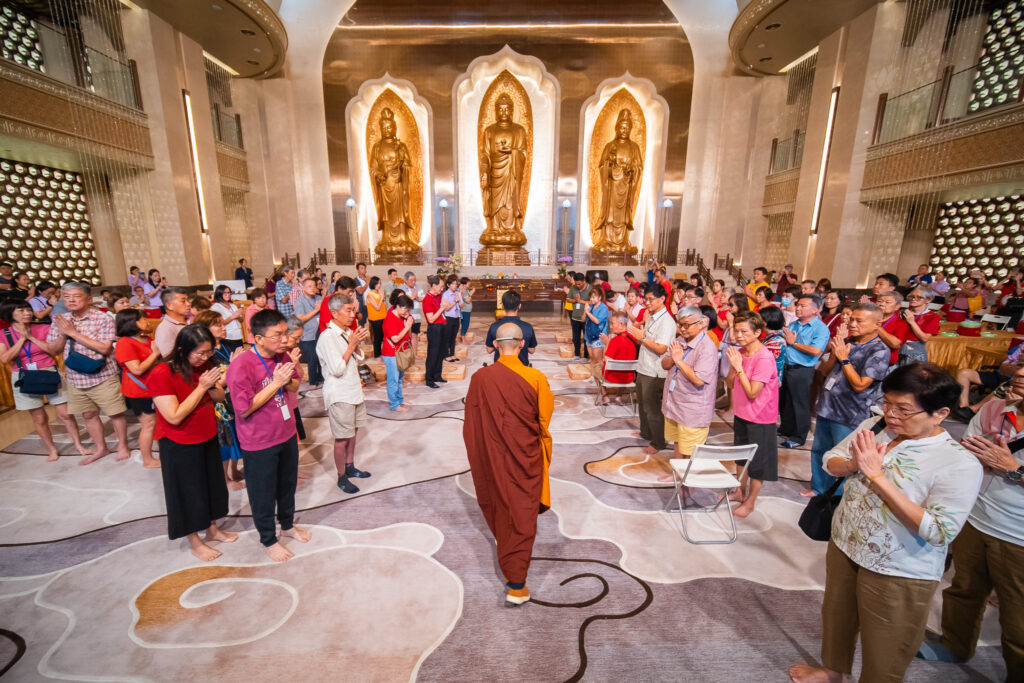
{"x": 10, "y": 344}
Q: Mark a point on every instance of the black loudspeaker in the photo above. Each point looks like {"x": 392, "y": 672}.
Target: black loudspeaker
{"x": 591, "y": 274}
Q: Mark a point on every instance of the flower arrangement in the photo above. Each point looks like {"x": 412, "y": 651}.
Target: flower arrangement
{"x": 563, "y": 263}
{"x": 448, "y": 265}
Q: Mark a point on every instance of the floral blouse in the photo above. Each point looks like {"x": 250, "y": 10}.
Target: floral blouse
{"x": 936, "y": 473}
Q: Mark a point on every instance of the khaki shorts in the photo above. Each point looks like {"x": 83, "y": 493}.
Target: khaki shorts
{"x": 31, "y": 401}
{"x": 685, "y": 437}
{"x": 346, "y": 418}
{"x": 105, "y": 397}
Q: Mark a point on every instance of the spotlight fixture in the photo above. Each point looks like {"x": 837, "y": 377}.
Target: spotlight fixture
{"x": 248, "y": 32}
{"x": 772, "y": 27}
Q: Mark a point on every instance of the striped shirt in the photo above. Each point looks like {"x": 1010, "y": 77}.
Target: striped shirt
{"x": 98, "y": 326}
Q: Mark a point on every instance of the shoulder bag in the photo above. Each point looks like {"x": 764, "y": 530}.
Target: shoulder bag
{"x": 81, "y": 363}
{"x": 404, "y": 356}
{"x": 34, "y": 382}
{"x": 816, "y": 519}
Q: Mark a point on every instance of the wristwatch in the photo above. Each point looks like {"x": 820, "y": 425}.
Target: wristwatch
{"x": 1014, "y": 476}
{"x": 845, "y": 362}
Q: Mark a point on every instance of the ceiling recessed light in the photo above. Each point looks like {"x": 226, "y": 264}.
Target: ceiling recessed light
{"x": 252, "y": 61}
{"x": 216, "y": 7}
{"x": 772, "y": 27}
{"x": 256, "y": 49}
{"x": 248, "y": 32}
{"x": 760, "y": 46}
{"x": 765, "y": 59}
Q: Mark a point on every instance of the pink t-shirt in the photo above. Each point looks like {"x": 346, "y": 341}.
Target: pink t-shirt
{"x": 765, "y": 408}
{"x": 35, "y": 354}
{"x": 266, "y": 427}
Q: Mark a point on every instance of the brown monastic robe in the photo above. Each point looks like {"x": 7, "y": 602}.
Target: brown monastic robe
{"x": 508, "y": 409}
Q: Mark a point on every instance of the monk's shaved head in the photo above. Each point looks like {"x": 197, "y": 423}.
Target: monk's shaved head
{"x": 512, "y": 335}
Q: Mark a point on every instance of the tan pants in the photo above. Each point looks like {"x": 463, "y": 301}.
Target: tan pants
{"x": 889, "y": 612}
{"x": 981, "y": 563}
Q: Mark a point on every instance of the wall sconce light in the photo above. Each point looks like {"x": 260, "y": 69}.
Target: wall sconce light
{"x": 820, "y": 190}
{"x": 190, "y": 123}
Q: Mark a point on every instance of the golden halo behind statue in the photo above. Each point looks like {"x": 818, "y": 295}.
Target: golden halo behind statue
{"x": 408, "y": 132}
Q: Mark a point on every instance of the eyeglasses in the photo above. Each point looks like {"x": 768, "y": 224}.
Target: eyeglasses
{"x": 686, "y": 325}
{"x": 202, "y": 354}
{"x": 915, "y": 297}
{"x": 280, "y": 335}
{"x": 897, "y": 412}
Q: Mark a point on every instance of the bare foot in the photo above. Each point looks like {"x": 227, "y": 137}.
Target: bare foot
{"x": 54, "y": 455}
{"x": 805, "y": 673}
{"x": 300, "y": 535}
{"x": 151, "y": 463}
{"x": 807, "y": 493}
{"x": 205, "y": 552}
{"x": 99, "y": 453}
{"x": 401, "y": 409}
{"x": 278, "y": 553}
{"x": 236, "y": 485}
{"x": 650, "y": 450}
{"x": 82, "y": 449}
{"x": 222, "y": 536}
{"x": 743, "y": 510}
{"x": 738, "y": 496}
{"x": 123, "y": 453}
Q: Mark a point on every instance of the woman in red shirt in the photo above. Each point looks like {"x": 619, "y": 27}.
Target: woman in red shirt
{"x": 618, "y": 346}
{"x": 136, "y": 355}
{"x": 832, "y": 312}
{"x": 184, "y": 389}
{"x": 395, "y": 329}
{"x": 924, "y": 324}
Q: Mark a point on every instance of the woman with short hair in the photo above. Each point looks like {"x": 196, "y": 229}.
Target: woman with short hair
{"x": 24, "y": 348}
{"x": 396, "y": 329}
{"x": 259, "y": 303}
{"x": 376, "y": 311}
{"x": 232, "y": 315}
{"x": 137, "y": 355}
{"x": 908, "y": 491}
{"x": 184, "y": 389}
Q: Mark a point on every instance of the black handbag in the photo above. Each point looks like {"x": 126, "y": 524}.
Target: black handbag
{"x": 816, "y": 519}
{"x": 34, "y": 382}
{"x": 79, "y": 362}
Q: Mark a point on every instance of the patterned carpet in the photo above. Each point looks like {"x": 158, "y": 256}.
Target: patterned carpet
{"x": 401, "y": 582}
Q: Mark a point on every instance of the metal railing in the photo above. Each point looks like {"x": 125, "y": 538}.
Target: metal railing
{"x": 787, "y": 153}
{"x": 107, "y": 76}
{"x": 943, "y": 101}
{"x": 468, "y": 258}
{"x": 227, "y": 128}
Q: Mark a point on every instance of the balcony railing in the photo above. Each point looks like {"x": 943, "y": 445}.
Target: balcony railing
{"x": 940, "y": 102}
{"x": 227, "y": 128}
{"x": 788, "y": 153}
{"x": 109, "y": 77}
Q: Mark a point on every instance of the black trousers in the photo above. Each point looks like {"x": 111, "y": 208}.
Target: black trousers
{"x": 451, "y": 333}
{"x": 309, "y": 357}
{"x": 194, "y": 488}
{"x": 271, "y": 475}
{"x": 649, "y": 391}
{"x": 577, "y": 338}
{"x": 795, "y": 402}
{"x": 377, "y": 327}
{"x": 435, "y": 352}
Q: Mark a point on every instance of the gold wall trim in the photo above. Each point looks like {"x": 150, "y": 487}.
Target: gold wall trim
{"x": 272, "y": 26}
{"x": 780, "y": 192}
{"x": 232, "y": 166}
{"x": 745, "y": 23}
{"x": 976, "y": 151}
{"x": 10, "y": 71}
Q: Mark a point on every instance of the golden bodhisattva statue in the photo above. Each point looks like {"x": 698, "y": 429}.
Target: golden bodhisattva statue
{"x": 620, "y": 170}
{"x": 390, "y": 168}
{"x": 503, "y": 158}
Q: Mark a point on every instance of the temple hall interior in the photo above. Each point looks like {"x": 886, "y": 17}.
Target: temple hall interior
{"x": 438, "y": 340}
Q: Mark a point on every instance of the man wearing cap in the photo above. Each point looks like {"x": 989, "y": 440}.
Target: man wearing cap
{"x": 508, "y": 409}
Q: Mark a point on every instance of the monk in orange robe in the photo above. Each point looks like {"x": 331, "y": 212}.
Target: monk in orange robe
{"x": 508, "y": 409}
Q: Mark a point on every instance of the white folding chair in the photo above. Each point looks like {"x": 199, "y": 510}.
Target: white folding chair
{"x": 630, "y": 387}
{"x": 704, "y": 470}
{"x": 999, "y": 320}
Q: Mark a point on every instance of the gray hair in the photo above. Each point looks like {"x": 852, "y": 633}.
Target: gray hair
{"x": 337, "y": 301}
{"x": 286, "y": 269}
{"x": 76, "y": 284}
{"x": 926, "y": 294}
{"x": 293, "y": 323}
{"x": 687, "y": 311}
{"x": 619, "y": 317}
{"x": 168, "y": 294}
{"x": 409, "y": 275}
{"x": 892, "y": 294}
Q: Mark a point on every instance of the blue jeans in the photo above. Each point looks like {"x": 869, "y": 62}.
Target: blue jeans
{"x": 465, "y": 322}
{"x": 827, "y": 435}
{"x": 395, "y": 377}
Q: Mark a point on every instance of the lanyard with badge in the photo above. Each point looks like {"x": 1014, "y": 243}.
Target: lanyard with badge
{"x": 286, "y": 414}
{"x": 833, "y": 378}
{"x": 672, "y": 384}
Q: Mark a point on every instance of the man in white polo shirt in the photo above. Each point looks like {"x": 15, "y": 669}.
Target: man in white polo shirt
{"x": 657, "y": 333}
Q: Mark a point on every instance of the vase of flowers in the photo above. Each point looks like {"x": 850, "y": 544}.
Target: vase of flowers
{"x": 563, "y": 263}
{"x": 448, "y": 265}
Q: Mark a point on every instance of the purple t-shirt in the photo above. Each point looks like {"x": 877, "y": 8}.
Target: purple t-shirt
{"x": 765, "y": 408}
{"x": 265, "y": 427}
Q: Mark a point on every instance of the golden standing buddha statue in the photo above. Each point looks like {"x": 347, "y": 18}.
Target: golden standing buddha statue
{"x": 620, "y": 171}
{"x": 503, "y": 158}
{"x": 390, "y": 176}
